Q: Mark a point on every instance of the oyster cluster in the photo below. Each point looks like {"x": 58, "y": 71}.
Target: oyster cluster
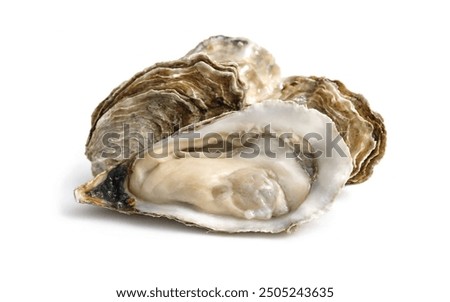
{"x": 217, "y": 139}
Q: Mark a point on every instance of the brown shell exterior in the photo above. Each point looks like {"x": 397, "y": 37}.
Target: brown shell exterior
{"x": 159, "y": 100}
{"x": 361, "y": 128}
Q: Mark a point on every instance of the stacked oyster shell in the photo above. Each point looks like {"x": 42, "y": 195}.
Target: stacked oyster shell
{"x": 218, "y": 140}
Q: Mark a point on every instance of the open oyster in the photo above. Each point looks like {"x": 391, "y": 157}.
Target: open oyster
{"x": 247, "y": 171}
{"x": 362, "y": 129}
{"x": 158, "y": 101}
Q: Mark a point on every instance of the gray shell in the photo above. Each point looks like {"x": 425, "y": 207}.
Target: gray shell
{"x": 158, "y": 101}
{"x": 257, "y": 67}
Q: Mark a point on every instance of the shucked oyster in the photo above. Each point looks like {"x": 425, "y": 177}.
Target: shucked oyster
{"x": 247, "y": 171}
{"x": 158, "y": 101}
{"x": 362, "y": 129}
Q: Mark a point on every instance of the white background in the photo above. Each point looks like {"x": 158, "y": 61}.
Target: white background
{"x": 386, "y": 239}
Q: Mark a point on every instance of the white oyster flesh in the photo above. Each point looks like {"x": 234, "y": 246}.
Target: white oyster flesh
{"x": 233, "y": 190}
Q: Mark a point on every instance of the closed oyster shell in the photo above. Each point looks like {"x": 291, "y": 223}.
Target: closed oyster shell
{"x": 158, "y": 101}
{"x": 229, "y": 191}
{"x": 257, "y": 67}
{"x": 362, "y": 129}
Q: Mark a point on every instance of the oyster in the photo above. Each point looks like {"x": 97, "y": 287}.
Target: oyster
{"x": 257, "y": 67}
{"x": 158, "y": 101}
{"x": 362, "y": 129}
{"x": 212, "y": 178}
{"x": 217, "y": 140}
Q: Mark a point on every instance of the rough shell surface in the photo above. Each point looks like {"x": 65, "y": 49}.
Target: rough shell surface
{"x": 158, "y": 101}
{"x": 257, "y": 67}
{"x": 362, "y": 129}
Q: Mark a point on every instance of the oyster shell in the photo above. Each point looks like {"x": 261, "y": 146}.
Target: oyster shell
{"x": 159, "y": 100}
{"x": 257, "y": 67}
{"x": 217, "y": 140}
{"x": 229, "y": 187}
{"x": 362, "y": 129}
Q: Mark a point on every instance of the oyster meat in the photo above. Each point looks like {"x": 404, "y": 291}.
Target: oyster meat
{"x": 217, "y": 139}
{"x": 220, "y": 181}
